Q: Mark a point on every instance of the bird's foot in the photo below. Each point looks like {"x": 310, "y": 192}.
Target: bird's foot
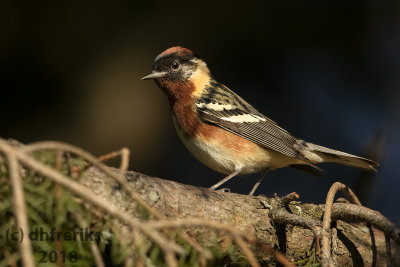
{"x": 224, "y": 190}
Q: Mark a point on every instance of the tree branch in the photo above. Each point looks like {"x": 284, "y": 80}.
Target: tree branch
{"x": 206, "y": 218}
{"x": 256, "y": 216}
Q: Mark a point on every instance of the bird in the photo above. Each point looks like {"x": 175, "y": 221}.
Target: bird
{"x": 226, "y": 133}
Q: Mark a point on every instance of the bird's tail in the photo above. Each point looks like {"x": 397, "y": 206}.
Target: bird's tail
{"x": 317, "y": 154}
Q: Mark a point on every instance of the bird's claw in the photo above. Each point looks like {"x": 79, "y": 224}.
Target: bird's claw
{"x": 224, "y": 190}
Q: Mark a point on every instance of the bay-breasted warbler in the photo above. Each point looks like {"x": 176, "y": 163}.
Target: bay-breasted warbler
{"x": 225, "y": 132}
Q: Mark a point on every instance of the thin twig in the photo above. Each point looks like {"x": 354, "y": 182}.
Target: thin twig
{"x": 285, "y": 200}
{"x": 137, "y": 245}
{"x": 325, "y": 248}
{"x": 388, "y": 251}
{"x": 247, "y": 252}
{"x": 364, "y": 214}
{"x": 334, "y": 239}
{"x": 96, "y": 255}
{"x": 326, "y": 251}
{"x": 93, "y": 245}
{"x": 108, "y": 156}
{"x": 203, "y": 261}
{"x": 170, "y": 259}
{"x": 25, "y": 246}
{"x": 349, "y": 194}
{"x": 281, "y": 216}
{"x": 124, "y": 162}
{"x": 279, "y": 256}
{"x": 203, "y": 252}
{"x": 59, "y": 158}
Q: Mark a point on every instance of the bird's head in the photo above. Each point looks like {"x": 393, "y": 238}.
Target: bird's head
{"x": 179, "y": 72}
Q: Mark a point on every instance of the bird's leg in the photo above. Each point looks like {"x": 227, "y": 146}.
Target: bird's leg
{"x": 227, "y": 178}
{"x": 258, "y": 182}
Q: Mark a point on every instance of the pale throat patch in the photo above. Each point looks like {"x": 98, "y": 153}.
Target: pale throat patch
{"x": 200, "y": 77}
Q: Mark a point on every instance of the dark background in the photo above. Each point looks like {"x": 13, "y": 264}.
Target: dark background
{"x": 327, "y": 72}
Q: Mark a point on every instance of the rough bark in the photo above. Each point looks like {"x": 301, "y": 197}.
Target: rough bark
{"x": 354, "y": 243}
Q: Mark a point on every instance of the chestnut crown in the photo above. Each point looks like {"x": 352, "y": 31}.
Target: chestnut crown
{"x": 175, "y": 64}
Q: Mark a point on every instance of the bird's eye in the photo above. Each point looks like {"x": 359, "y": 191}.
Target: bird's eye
{"x": 175, "y": 65}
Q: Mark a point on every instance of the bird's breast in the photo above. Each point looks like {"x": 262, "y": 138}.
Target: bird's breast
{"x": 221, "y": 150}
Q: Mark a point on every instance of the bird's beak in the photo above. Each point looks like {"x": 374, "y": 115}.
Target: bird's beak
{"x": 154, "y": 75}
